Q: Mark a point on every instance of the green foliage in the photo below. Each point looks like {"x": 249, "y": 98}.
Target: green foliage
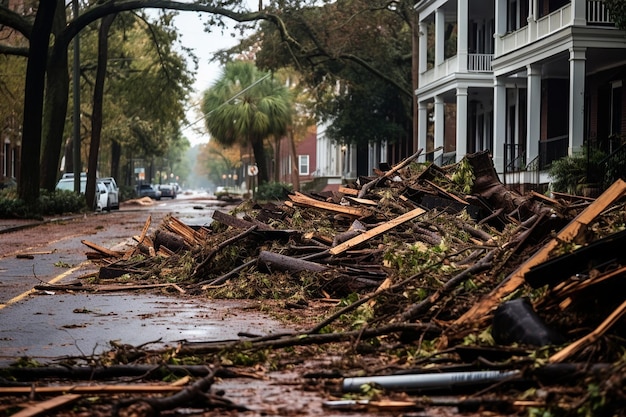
{"x": 464, "y": 176}
{"x": 49, "y": 203}
{"x": 569, "y": 174}
{"x": 273, "y": 191}
{"x": 617, "y": 8}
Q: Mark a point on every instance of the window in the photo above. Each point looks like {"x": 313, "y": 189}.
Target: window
{"x": 303, "y": 164}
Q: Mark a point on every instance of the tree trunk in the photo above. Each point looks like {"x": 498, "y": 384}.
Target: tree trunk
{"x": 259, "y": 156}
{"x": 55, "y": 107}
{"x": 28, "y": 187}
{"x": 295, "y": 177}
{"x": 96, "y": 117}
{"x": 116, "y": 154}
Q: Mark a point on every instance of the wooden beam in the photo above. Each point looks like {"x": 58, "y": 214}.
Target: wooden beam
{"x": 303, "y": 200}
{"x": 481, "y": 309}
{"x": 376, "y": 231}
{"x": 101, "y": 249}
{"x": 44, "y": 407}
{"x": 91, "y": 389}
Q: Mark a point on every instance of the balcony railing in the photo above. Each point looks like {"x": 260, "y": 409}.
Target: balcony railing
{"x": 597, "y": 13}
{"x": 479, "y": 62}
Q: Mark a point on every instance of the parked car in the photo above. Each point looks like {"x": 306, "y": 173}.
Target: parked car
{"x": 102, "y": 194}
{"x": 114, "y": 192}
{"x": 167, "y": 190}
{"x": 147, "y": 190}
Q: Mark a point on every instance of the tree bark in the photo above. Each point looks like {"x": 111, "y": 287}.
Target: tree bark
{"x": 258, "y": 149}
{"x": 55, "y": 105}
{"x": 98, "y": 97}
{"x": 28, "y": 187}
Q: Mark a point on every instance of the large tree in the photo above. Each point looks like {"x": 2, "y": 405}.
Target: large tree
{"x": 42, "y": 45}
{"x": 246, "y": 106}
{"x": 356, "y": 57}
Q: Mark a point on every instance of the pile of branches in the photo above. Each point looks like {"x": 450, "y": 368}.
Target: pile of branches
{"x": 418, "y": 253}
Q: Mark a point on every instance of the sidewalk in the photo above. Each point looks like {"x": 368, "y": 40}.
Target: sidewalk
{"x": 13, "y": 225}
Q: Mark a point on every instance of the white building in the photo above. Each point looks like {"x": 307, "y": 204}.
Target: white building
{"x": 529, "y": 80}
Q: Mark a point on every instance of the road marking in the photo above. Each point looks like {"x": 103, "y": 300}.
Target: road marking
{"x": 32, "y": 290}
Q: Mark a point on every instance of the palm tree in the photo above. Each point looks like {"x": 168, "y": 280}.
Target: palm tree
{"x": 247, "y": 106}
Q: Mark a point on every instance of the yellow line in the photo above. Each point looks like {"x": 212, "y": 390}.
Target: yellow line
{"x": 32, "y": 290}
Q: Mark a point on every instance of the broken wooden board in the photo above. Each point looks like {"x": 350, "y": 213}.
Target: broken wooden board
{"x": 348, "y": 191}
{"x": 102, "y": 250}
{"x": 303, "y": 200}
{"x": 44, "y": 407}
{"x": 376, "y": 231}
{"x": 90, "y": 389}
{"x": 480, "y": 310}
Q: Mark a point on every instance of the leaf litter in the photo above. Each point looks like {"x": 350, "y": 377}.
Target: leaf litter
{"x": 419, "y": 288}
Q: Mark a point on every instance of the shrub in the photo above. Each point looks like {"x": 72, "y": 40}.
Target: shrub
{"x": 273, "y": 191}
{"x": 571, "y": 173}
{"x": 49, "y": 203}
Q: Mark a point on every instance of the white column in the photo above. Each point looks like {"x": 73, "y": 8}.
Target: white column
{"x": 461, "y": 123}
{"x": 462, "y": 17}
{"x": 579, "y": 10}
{"x": 422, "y": 129}
{"x": 440, "y": 117}
{"x": 533, "y": 118}
{"x": 531, "y": 21}
{"x": 423, "y": 48}
{"x": 576, "y": 99}
{"x": 499, "y": 125}
{"x": 500, "y": 24}
{"x": 440, "y": 33}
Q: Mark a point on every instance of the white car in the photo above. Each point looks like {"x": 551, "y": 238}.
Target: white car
{"x": 114, "y": 192}
{"x": 102, "y": 200}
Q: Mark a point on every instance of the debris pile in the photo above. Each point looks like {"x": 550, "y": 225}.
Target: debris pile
{"x": 443, "y": 268}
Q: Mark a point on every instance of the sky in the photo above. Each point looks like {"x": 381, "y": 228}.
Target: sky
{"x": 190, "y": 28}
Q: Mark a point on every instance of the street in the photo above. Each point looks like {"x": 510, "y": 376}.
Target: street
{"x": 45, "y": 325}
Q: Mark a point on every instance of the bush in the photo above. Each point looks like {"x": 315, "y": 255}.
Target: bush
{"x": 273, "y": 191}
{"x": 571, "y": 173}
{"x": 49, "y": 203}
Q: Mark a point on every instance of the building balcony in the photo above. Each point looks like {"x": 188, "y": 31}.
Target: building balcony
{"x": 596, "y": 14}
{"x": 476, "y": 63}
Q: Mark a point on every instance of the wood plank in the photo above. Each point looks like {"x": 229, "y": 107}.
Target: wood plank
{"x": 348, "y": 191}
{"x": 337, "y": 208}
{"x": 376, "y": 231}
{"x": 446, "y": 193}
{"x": 481, "y": 309}
{"x": 364, "y": 201}
{"x": 91, "y": 389}
{"x": 102, "y": 249}
{"x": 44, "y": 407}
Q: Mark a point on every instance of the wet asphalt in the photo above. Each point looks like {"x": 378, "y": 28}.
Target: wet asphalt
{"x": 51, "y": 326}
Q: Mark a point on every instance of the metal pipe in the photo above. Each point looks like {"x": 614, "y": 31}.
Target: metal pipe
{"x": 427, "y": 381}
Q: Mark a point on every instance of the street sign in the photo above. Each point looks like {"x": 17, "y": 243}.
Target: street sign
{"x": 253, "y": 170}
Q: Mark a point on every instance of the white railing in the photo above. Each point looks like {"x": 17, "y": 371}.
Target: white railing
{"x": 479, "y": 62}
{"x": 554, "y": 21}
{"x": 597, "y": 12}
{"x": 513, "y": 40}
